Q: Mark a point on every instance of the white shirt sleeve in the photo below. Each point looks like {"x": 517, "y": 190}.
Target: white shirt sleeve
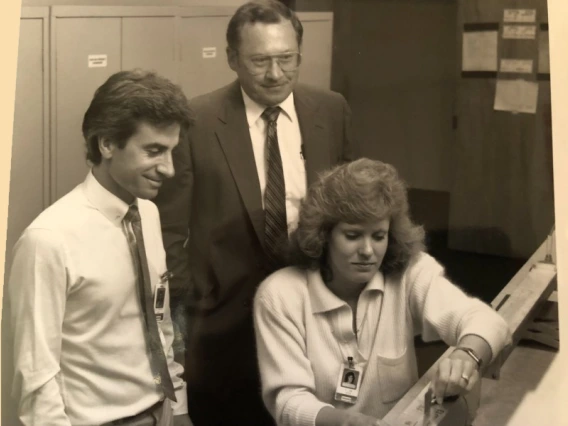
{"x": 37, "y": 291}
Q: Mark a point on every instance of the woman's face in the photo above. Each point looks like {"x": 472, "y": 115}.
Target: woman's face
{"x": 356, "y": 252}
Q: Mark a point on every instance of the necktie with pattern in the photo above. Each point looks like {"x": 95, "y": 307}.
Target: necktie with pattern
{"x": 157, "y": 355}
{"x": 275, "y": 226}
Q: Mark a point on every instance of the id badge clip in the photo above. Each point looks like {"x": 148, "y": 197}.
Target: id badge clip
{"x": 348, "y": 382}
{"x": 160, "y": 296}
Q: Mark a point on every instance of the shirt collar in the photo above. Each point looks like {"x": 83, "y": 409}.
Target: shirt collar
{"x": 324, "y": 300}
{"x": 254, "y": 110}
{"x": 103, "y": 200}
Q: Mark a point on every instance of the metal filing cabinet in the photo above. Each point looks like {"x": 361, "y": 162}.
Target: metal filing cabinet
{"x": 29, "y": 189}
{"x": 149, "y": 42}
{"x": 81, "y": 46}
{"x": 185, "y": 44}
{"x": 29, "y": 175}
{"x": 204, "y": 66}
{"x": 90, "y": 43}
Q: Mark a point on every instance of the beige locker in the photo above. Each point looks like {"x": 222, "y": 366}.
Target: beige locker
{"x": 29, "y": 165}
{"x": 29, "y": 174}
{"x": 76, "y": 39}
{"x": 185, "y": 44}
{"x": 204, "y": 66}
{"x": 203, "y": 59}
{"x": 149, "y": 43}
{"x": 316, "y": 48}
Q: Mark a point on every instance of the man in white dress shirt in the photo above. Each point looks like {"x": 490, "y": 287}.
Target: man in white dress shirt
{"x": 88, "y": 349}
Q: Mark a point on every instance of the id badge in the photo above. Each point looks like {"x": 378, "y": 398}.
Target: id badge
{"x": 348, "y": 383}
{"x": 160, "y": 297}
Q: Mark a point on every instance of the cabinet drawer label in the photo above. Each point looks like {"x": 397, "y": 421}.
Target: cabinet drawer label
{"x": 97, "y": 61}
{"x": 209, "y": 52}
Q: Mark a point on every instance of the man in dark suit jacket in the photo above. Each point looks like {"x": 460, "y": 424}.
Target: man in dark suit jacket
{"x": 213, "y": 210}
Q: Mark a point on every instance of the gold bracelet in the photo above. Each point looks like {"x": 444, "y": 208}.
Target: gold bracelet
{"x": 472, "y": 354}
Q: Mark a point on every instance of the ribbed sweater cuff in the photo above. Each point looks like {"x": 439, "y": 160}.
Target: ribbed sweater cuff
{"x": 305, "y": 413}
{"x": 496, "y": 337}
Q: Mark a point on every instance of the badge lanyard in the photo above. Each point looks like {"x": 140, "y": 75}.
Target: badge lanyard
{"x": 350, "y": 375}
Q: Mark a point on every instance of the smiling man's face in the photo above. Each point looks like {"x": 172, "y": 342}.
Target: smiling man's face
{"x": 138, "y": 169}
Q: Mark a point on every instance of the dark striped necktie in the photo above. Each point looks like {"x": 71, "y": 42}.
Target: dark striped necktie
{"x": 157, "y": 356}
{"x": 275, "y": 226}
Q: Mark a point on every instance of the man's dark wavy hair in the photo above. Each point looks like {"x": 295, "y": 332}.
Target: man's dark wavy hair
{"x": 127, "y": 99}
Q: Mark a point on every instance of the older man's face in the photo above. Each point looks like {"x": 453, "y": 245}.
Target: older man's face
{"x": 267, "y": 61}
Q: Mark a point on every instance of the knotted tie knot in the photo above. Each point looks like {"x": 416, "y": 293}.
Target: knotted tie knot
{"x": 132, "y": 215}
{"x": 270, "y": 114}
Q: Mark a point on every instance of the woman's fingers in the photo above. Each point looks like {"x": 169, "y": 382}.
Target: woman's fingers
{"x": 454, "y": 377}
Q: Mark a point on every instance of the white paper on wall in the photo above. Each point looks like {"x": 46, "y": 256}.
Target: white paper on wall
{"x": 516, "y": 96}
{"x": 479, "y": 51}
{"x": 519, "y": 15}
{"x": 520, "y": 32}
{"x": 516, "y": 65}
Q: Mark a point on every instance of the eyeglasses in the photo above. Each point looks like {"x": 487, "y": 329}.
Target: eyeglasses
{"x": 258, "y": 64}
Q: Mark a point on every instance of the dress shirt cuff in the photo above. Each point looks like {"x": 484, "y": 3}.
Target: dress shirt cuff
{"x": 305, "y": 413}
{"x": 180, "y": 407}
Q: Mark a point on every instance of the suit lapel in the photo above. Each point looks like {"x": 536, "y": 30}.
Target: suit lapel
{"x": 234, "y": 137}
{"x": 315, "y": 145}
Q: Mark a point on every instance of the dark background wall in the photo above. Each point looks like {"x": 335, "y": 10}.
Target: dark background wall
{"x": 396, "y": 62}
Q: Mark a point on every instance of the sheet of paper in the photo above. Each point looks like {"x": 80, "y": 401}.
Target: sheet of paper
{"x": 523, "y": 32}
{"x": 519, "y": 15}
{"x": 479, "y": 51}
{"x": 516, "y": 65}
{"x": 543, "y": 53}
{"x": 516, "y": 96}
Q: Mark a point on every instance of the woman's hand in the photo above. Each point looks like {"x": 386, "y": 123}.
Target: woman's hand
{"x": 329, "y": 416}
{"x": 456, "y": 375}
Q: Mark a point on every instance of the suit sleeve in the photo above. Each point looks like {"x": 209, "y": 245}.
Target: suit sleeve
{"x": 174, "y": 204}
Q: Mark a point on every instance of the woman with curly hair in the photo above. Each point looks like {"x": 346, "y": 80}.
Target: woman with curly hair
{"x": 360, "y": 289}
